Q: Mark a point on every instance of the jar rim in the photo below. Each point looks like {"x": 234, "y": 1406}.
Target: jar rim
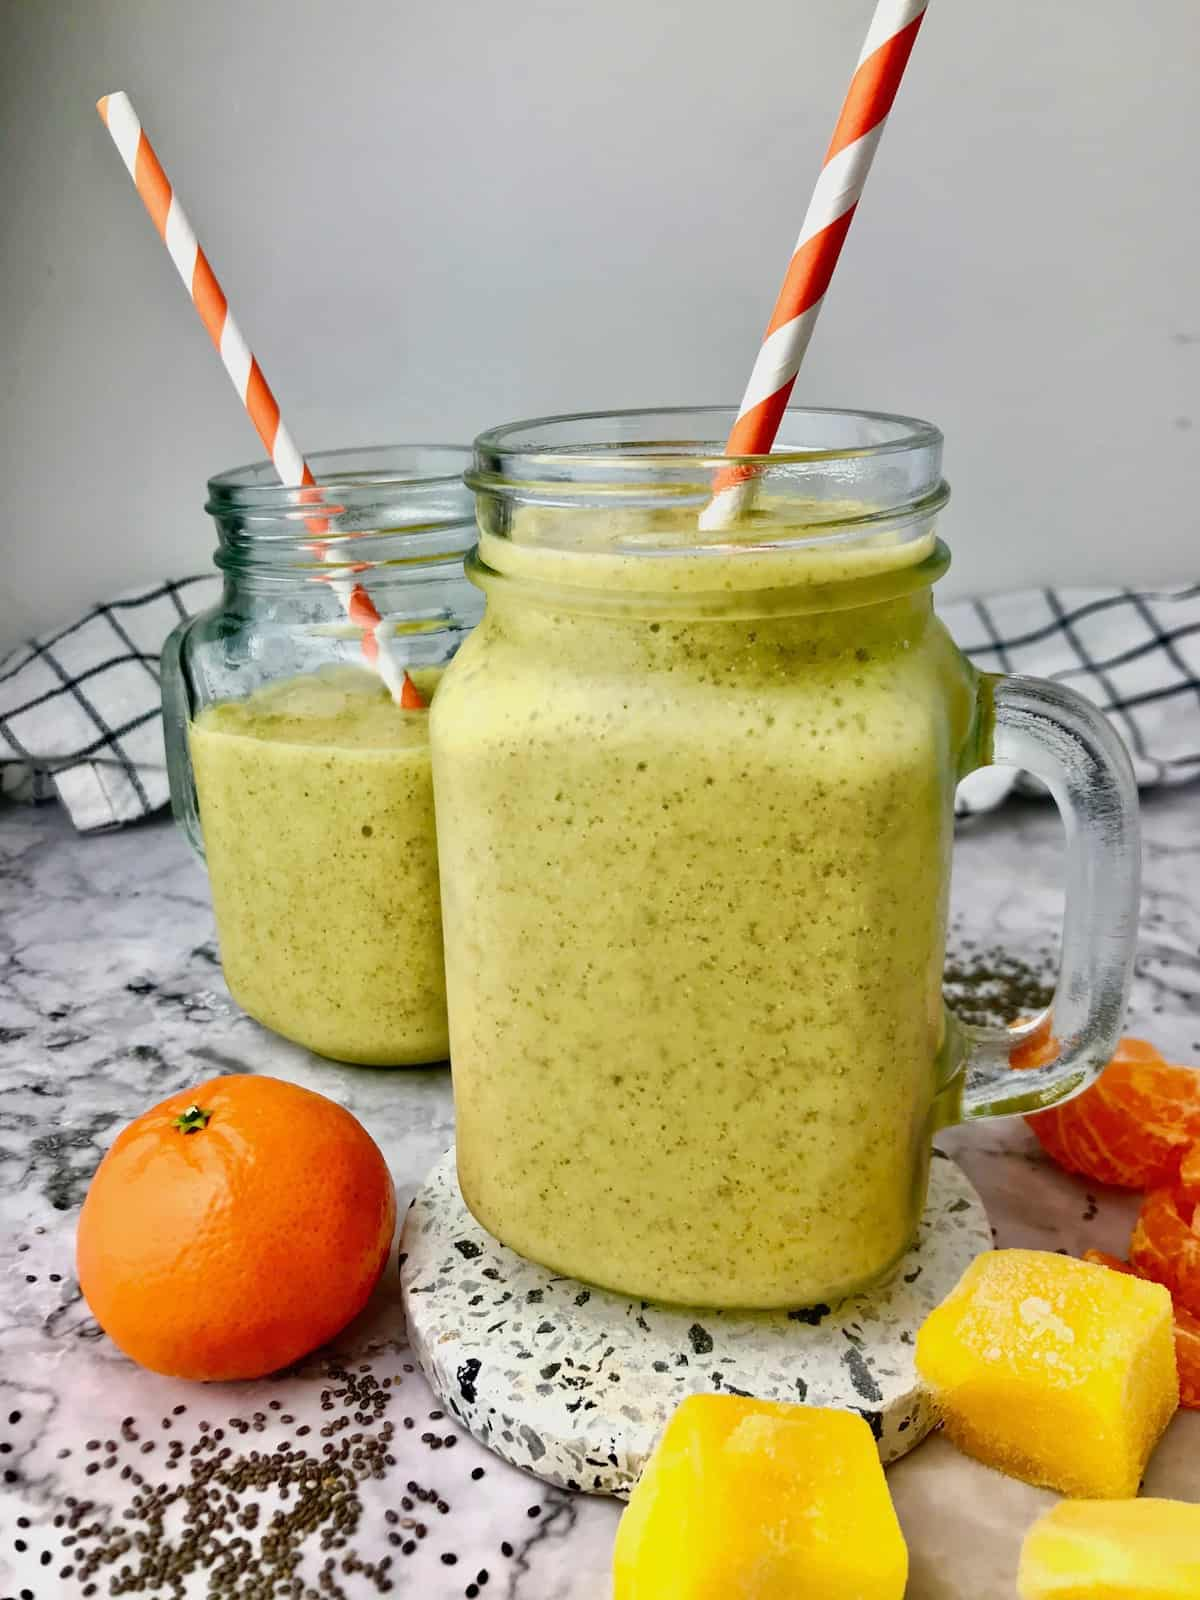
{"x": 379, "y": 506}
{"x": 634, "y": 485}
{"x": 357, "y": 471}
{"x": 531, "y": 440}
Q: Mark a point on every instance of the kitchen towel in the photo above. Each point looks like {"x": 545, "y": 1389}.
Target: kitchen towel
{"x": 80, "y": 715}
{"x": 1135, "y": 655}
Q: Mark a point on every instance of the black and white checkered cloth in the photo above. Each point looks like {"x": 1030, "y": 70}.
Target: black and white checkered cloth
{"x": 80, "y": 719}
{"x": 1134, "y": 655}
{"x": 79, "y": 707}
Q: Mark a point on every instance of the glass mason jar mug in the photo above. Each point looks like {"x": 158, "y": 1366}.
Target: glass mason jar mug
{"x": 294, "y": 768}
{"x": 694, "y": 795}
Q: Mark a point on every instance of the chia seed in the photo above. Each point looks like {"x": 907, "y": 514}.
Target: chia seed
{"x": 216, "y": 1495}
{"x": 990, "y": 986}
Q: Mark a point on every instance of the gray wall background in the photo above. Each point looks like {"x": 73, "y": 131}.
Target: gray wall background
{"x": 435, "y": 217}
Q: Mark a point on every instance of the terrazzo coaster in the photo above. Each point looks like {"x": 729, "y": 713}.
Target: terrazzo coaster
{"x": 574, "y": 1384}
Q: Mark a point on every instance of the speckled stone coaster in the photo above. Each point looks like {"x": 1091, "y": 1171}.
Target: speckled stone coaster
{"x": 573, "y": 1383}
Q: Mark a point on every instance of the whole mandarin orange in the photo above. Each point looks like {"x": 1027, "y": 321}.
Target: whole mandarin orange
{"x": 234, "y": 1228}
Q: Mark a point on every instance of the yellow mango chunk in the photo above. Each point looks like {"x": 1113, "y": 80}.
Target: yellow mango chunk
{"x": 1053, "y": 1370}
{"x": 1113, "y": 1550}
{"x": 760, "y": 1501}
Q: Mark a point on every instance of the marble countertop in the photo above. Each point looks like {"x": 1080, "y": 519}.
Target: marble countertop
{"x": 111, "y": 998}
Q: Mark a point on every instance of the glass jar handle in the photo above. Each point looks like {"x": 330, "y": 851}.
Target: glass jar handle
{"x": 1062, "y": 739}
{"x": 177, "y": 716}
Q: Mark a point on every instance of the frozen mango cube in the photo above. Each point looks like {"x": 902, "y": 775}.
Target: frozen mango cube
{"x": 1053, "y": 1370}
{"x": 761, "y": 1501}
{"x": 1113, "y": 1550}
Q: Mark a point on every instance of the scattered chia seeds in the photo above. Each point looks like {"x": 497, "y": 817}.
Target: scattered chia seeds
{"x": 207, "y": 1521}
{"x": 992, "y": 986}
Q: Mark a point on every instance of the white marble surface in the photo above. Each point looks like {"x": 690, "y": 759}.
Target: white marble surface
{"x": 111, "y": 998}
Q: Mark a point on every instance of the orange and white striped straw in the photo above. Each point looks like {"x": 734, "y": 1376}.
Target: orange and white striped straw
{"x": 253, "y": 390}
{"x": 881, "y": 65}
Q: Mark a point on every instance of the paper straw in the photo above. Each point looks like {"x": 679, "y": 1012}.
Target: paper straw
{"x": 176, "y": 232}
{"x": 881, "y": 65}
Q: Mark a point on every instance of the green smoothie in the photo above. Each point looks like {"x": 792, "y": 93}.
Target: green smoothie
{"x": 317, "y": 812}
{"x": 694, "y": 878}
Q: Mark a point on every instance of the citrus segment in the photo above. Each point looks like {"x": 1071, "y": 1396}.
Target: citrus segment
{"x": 1166, "y": 1246}
{"x": 1038, "y": 1049}
{"x": 1101, "y": 1258}
{"x": 1187, "y": 1357}
{"x": 1132, "y": 1127}
{"x": 1189, "y": 1173}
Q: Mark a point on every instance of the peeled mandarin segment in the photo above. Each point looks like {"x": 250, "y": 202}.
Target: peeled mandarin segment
{"x": 1113, "y": 1550}
{"x": 1166, "y": 1247}
{"x": 1187, "y": 1358}
{"x": 1131, "y": 1049}
{"x": 1034, "y": 1052}
{"x": 1101, "y": 1258}
{"x": 1132, "y": 1127}
{"x": 1189, "y": 1173}
{"x": 1038, "y": 1049}
{"x": 1053, "y": 1370}
{"x": 761, "y": 1501}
